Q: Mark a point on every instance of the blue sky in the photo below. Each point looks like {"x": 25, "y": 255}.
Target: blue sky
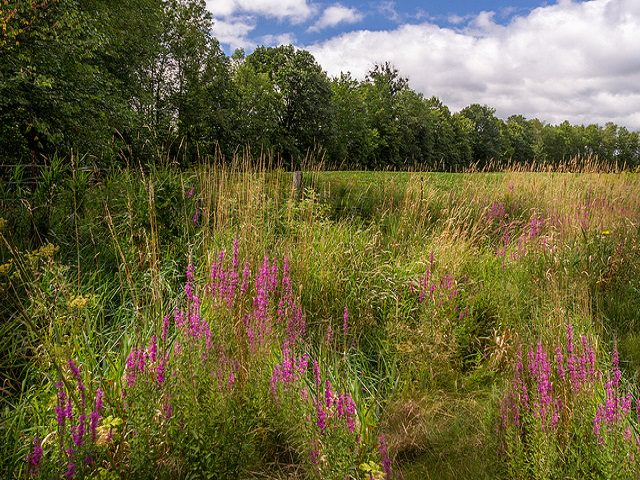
{"x": 554, "y": 60}
{"x": 307, "y": 22}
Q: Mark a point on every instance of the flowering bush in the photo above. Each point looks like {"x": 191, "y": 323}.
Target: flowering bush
{"x": 226, "y": 381}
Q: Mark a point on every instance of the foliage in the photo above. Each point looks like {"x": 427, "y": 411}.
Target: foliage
{"x": 145, "y": 81}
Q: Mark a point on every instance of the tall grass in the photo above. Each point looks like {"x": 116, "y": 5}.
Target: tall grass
{"x": 445, "y": 278}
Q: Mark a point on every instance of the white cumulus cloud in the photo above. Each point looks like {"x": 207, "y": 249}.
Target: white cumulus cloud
{"x": 296, "y": 11}
{"x": 279, "y": 39}
{"x": 234, "y": 31}
{"x": 335, "y": 15}
{"x": 578, "y": 61}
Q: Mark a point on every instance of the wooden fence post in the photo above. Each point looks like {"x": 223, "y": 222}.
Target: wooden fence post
{"x": 297, "y": 184}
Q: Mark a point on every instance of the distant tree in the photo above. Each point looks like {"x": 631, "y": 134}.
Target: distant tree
{"x": 520, "y": 137}
{"x": 487, "y": 139}
{"x": 382, "y": 86}
{"x": 352, "y": 140}
{"x": 303, "y": 93}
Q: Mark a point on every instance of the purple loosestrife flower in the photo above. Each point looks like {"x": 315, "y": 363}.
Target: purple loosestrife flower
{"x": 556, "y": 414}
{"x": 71, "y": 469}
{"x": 261, "y": 302}
{"x": 131, "y": 367}
{"x": 345, "y": 322}
{"x": 597, "y": 424}
{"x": 273, "y": 277}
{"x": 384, "y": 455}
{"x": 153, "y": 349}
{"x": 321, "y": 417}
{"x": 316, "y": 376}
{"x": 314, "y": 454}
{"x": 60, "y": 410}
{"x": 165, "y": 329}
{"x": 246, "y": 274}
{"x": 329, "y": 336}
{"x": 235, "y": 260}
{"x": 328, "y": 394}
{"x": 591, "y": 355}
{"x": 349, "y": 412}
{"x": 160, "y": 368}
{"x": 190, "y": 273}
{"x": 167, "y": 409}
{"x": 78, "y": 431}
{"x": 213, "y": 275}
{"x": 75, "y": 371}
{"x": 296, "y": 326}
{"x": 94, "y": 417}
{"x": 35, "y": 456}
{"x": 69, "y": 410}
{"x": 560, "y": 363}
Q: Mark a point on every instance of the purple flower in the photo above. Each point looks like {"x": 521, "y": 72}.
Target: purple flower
{"x": 75, "y": 371}
{"x": 160, "y": 376}
{"x": 165, "y": 329}
{"x": 35, "y": 456}
{"x": 71, "y": 469}
{"x": 94, "y": 417}
{"x": 153, "y": 349}
{"x": 60, "y": 410}
{"x": 328, "y": 394}
{"x": 246, "y": 274}
{"x": 384, "y": 455}
{"x": 345, "y": 322}
{"x": 314, "y": 454}
{"x": 560, "y": 363}
{"x": 321, "y": 417}
{"x": 78, "y": 431}
{"x": 316, "y": 376}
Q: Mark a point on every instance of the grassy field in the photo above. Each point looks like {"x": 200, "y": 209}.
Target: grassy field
{"x": 380, "y": 325}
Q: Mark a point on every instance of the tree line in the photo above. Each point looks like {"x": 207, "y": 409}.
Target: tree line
{"x": 118, "y": 80}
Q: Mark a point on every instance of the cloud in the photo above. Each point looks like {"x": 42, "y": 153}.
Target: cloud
{"x": 295, "y": 11}
{"x": 234, "y": 31}
{"x": 570, "y": 60}
{"x": 335, "y": 15}
{"x": 388, "y": 9}
{"x": 279, "y": 39}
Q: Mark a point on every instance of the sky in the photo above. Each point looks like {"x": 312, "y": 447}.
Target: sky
{"x": 552, "y": 60}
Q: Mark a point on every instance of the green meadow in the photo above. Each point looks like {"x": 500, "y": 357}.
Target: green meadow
{"x": 217, "y": 323}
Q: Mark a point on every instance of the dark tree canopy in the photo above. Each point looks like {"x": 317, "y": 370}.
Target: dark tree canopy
{"x": 144, "y": 80}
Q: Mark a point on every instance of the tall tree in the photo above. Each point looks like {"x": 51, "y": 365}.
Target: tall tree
{"x": 487, "y": 138}
{"x": 352, "y": 140}
{"x": 303, "y": 92}
{"x": 382, "y": 87}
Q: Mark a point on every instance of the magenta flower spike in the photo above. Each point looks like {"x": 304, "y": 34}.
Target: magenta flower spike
{"x": 94, "y": 417}
{"x": 384, "y": 455}
{"x": 345, "y": 322}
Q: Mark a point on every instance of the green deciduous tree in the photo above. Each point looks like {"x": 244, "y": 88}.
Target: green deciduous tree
{"x": 487, "y": 136}
{"x": 302, "y": 92}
